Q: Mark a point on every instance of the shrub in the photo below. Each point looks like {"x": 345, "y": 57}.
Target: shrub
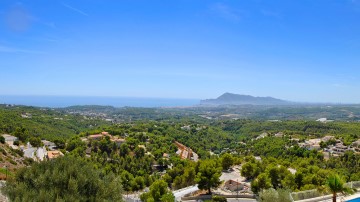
{"x": 2, "y": 139}
{"x": 3, "y": 151}
{"x": 219, "y": 199}
{"x": 270, "y": 195}
{"x": 12, "y": 162}
{"x": 63, "y": 179}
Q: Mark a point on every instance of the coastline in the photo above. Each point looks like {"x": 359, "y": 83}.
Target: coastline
{"x": 66, "y": 101}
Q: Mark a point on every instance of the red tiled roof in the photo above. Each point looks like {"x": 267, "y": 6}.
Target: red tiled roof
{"x": 95, "y": 136}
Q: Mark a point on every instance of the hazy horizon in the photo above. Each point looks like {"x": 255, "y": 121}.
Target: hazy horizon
{"x": 115, "y": 101}
{"x": 56, "y": 101}
{"x": 303, "y": 51}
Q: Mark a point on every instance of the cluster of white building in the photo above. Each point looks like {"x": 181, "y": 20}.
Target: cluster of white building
{"x": 48, "y": 151}
{"x": 334, "y": 149}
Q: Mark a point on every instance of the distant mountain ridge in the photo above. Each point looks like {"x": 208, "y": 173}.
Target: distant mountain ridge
{"x": 236, "y": 99}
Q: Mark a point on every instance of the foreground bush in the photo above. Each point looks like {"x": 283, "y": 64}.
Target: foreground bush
{"x": 271, "y": 195}
{"x": 219, "y": 199}
{"x": 158, "y": 192}
{"x": 63, "y": 179}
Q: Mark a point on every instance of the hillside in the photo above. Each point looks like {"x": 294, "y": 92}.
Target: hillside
{"x": 235, "y": 99}
{"x": 45, "y": 123}
{"x": 11, "y": 160}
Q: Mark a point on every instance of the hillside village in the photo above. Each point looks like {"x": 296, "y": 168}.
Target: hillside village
{"x": 183, "y": 151}
{"x": 329, "y": 144}
{"x": 48, "y": 150}
{"x": 232, "y": 181}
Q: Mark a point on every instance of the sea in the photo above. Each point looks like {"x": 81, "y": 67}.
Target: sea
{"x": 66, "y": 101}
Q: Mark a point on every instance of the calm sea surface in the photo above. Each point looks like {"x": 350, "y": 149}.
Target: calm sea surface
{"x": 65, "y": 101}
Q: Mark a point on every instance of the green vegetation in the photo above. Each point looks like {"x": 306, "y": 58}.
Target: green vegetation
{"x": 200, "y": 137}
{"x": 11, "y": 160}
{"x": 279, "y": 195}
{"x": 139, "y": 162}
{"x": 25, "y": 122}
{"x": 226, "y": 161}
{"x": 158, "y": 192}
{"x": 217, "y": 199}
{"x": 334, "y": 184}
{"x": 208, "y": 175}
{"x": 181, "y": 175}
{"x": 63, "y": 179}
{"x": 35, "y": 141}
{"x": 261, "y": 113}
{"x": 245, "y": 130}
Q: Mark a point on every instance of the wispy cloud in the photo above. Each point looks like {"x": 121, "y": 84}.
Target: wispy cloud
{"x": 75, "y": 9}
{"x": 184, "y": 74}
{"x": 269, "y": 13}
{"x": 18, "y": 18}
{"x": 336, "y": 85}
{"x": 339, "y": 85}
{"x": 50, "y": 24}
{"x": 49, "y": 39}
{"x": 6, "y": 49}
{"x": 225, "y": 11}
{"x": 46, "y": 39}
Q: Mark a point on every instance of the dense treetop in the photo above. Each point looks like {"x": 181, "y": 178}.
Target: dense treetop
{"x": 63, "y": 179}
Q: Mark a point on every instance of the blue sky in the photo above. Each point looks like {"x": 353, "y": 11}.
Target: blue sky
{"x": 301, "y": 50}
